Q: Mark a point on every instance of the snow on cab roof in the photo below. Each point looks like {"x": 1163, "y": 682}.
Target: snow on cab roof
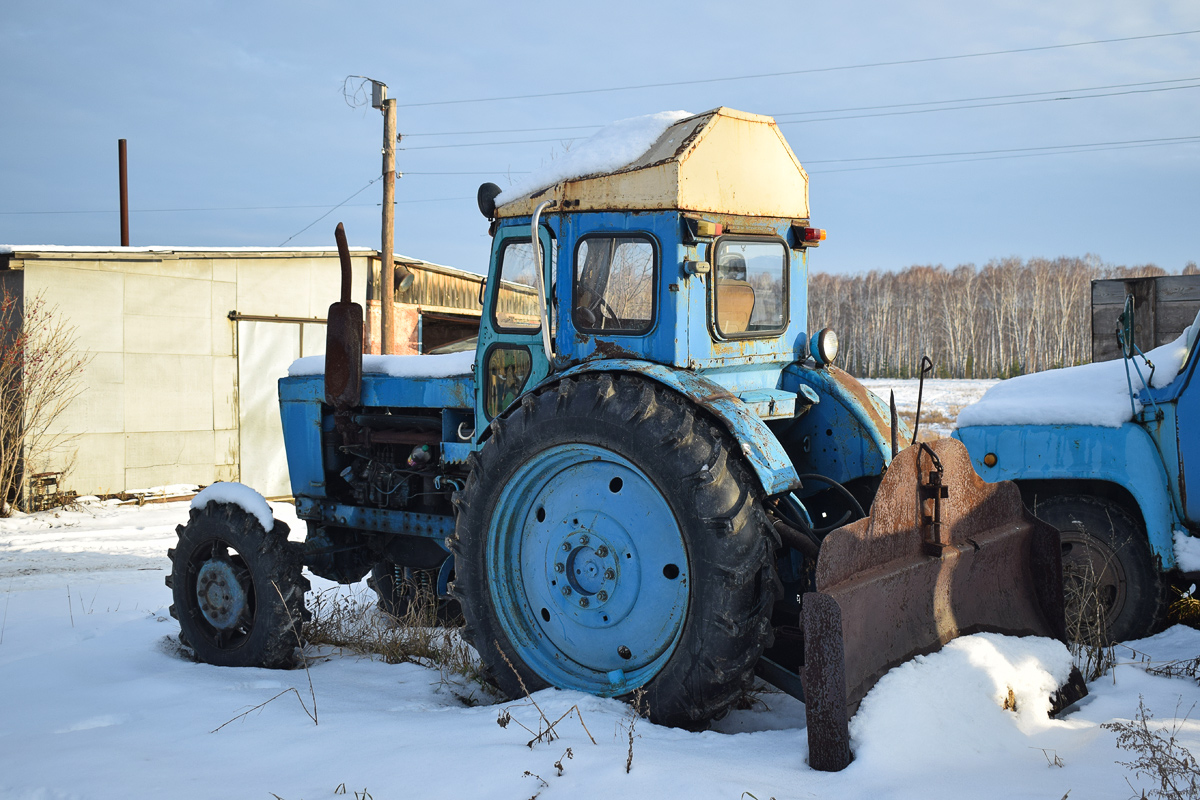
{"x": 1088, "y": 394}
{"x": 722, "y": 161}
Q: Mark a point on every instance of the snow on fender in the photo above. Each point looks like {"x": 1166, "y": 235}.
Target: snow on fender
{"x": 239, "y": 494}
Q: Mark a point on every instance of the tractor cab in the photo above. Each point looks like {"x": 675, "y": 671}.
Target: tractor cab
{"x": 658, "y": 262}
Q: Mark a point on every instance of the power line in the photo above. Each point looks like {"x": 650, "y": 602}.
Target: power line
{"x": 829, "y": 110}
{"x": 907, "y": 109}
{"x": 810, "y": 71}
{"x": 1179, "y": 139}
{"x": 1025, "y": 152}
{"x": 241, "y": 208}
{"x": 985, "y": 97}
{"x": 988, "y": 105}
{"x": 840, "y": 110}
{"x": 488, "y": 144}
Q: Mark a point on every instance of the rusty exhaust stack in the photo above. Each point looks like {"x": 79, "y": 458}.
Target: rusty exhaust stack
{"x": 343, "y": 346}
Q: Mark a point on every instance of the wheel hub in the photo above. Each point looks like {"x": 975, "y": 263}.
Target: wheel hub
{"x": 596, "y": 579}
{"x": 590, "y": 567}
{"x": 221, "y": 593}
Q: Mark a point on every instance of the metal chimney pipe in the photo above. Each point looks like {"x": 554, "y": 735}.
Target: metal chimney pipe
{"x": 122, "y": 162}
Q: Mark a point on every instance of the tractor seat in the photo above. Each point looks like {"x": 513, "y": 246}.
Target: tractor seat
{"x": 735, "y": 305}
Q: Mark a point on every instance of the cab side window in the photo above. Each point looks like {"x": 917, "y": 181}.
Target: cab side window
{"x": 516, "y": 308}
{"x": 614, "y": 284}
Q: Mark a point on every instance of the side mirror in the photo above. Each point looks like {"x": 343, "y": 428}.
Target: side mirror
{"x": 1125, "y": 327}
{"x": 486, "y": 198}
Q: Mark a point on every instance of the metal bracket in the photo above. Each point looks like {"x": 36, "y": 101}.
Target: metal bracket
{"x": 930, "y": 487}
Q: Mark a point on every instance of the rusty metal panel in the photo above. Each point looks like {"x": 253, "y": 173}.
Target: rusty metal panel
{"x": 943, "y": 554}
{"x": 1163, "y": 307}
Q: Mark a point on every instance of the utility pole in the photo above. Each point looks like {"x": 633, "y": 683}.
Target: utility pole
{"x": 122, "y": 167}
{"x": 387, "y": 270}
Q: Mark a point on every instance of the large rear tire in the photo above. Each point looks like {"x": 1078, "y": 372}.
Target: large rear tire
{"x": 610, "y": 539}
{"x": 1113, "y": 590}
{"x": 238, "y": 591}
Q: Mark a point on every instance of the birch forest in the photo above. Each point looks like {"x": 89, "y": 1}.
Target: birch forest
{"x": 1007, "y": 318}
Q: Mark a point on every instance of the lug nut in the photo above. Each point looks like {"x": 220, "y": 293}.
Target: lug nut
{"x": 566, "y": 591}
{"x": 567, "y": 546}
{"x": 601, "y": 595}
{"x": 583, "y": 602}
{"x": 609, "y": 574}
{"x": 559, "y": 568}
{"x": 602, "y": 551}
{"x": 584, "y": 539}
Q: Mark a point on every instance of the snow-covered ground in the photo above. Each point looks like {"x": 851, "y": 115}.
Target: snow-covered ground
{"x": 97, "y": 702}
{"x": 941, "y": 402}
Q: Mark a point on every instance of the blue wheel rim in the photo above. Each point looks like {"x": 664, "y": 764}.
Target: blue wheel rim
{"x": 588, "y": 570}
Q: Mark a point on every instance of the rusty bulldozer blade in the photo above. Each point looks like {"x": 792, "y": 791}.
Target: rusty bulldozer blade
{"x": 943, "y": 554}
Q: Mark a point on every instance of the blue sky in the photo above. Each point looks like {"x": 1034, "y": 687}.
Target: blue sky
{"x": 240, "y": 106}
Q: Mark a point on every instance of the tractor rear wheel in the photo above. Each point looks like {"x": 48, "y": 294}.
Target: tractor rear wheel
{"x": 1113, "y": 592}
{"x": 238, "y": 591}
{"x": 610, "y": 539}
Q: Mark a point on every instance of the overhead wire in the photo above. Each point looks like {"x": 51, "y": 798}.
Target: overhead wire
{"x": 905, "y": 109}
{"x": 808, "y": 71}
{"x": 834, "y": 110}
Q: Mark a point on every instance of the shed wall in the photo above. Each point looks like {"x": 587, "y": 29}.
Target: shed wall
{"x": 160, "y": 403}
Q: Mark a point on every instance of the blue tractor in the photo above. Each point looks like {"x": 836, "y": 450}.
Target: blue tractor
{"x": 628, "y": 483}
{"x": 1103, "y": 452}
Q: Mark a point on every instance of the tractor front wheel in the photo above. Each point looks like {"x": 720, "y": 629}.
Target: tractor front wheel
{"x": 238, "y": 591}
{"x": 610, "y": 540}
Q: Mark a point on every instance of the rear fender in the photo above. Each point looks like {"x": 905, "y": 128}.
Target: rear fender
{"x": 1125, "y": 456}
{"x": 764, "y": 453}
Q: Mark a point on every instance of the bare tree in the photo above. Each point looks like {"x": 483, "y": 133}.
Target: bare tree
{"x": 41, "y": 372}
{"x": 1006, "y": 318}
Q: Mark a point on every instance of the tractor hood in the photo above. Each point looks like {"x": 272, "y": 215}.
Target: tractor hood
{"x": 722, "y": 161}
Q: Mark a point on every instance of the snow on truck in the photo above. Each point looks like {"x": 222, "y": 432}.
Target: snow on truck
{"x": 1103, "y": 452}
{"x": 650, "y": 477}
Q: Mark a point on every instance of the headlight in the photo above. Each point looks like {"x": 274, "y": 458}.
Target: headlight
{"x": 824, "y": 346}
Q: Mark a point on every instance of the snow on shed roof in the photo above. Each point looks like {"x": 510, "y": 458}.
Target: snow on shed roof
{"x": 721, "y": 161}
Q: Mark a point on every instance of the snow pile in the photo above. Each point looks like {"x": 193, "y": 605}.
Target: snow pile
{"x": 445, "y": 365}
{"x": 955, "y": 699}
{"x": 611, "y": 148}
{"x": 240, "y": 495}
{"x": 1187, "y": 552}
{"x": 1089, "y": 394}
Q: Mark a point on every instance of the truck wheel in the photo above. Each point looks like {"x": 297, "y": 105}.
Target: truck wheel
{"x": 402, "y": 591}
{"x": 610, "y": 540}
{"x": 238, "y": 591}
{"x": 1113, "y": 592}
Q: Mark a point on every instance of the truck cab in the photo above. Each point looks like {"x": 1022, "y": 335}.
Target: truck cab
{"x": 1103, "y": 451}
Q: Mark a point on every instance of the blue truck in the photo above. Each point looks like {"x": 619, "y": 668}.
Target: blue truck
{"x": 1115, "y": 487}
{"x": 640, "y": 472}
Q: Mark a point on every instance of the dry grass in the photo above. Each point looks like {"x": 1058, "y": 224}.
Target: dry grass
{"x": 1091, "y": 649}
{"x": 1185, "y": 610}
{"x": 349, "y": 621}
{"x": 1172, "y": 770}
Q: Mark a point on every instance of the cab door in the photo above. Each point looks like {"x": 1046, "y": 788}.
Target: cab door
{"x": 510, "y": 356}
